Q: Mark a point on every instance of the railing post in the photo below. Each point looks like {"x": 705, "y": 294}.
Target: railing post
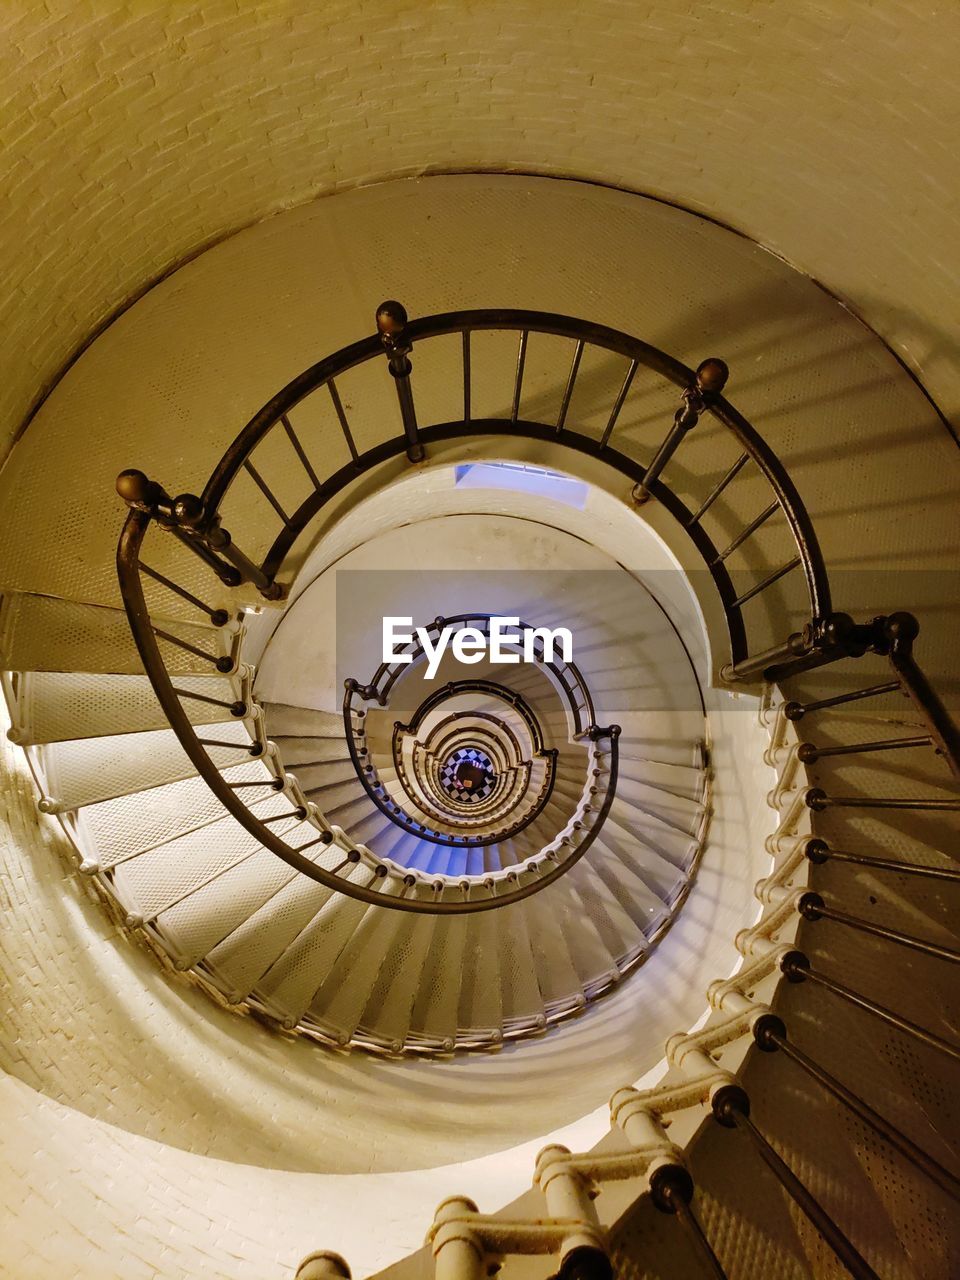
{"x": 458, "y": 1250}
{"x": 711, "y": 378}
{"x": 322, "y": 1265}
{"x": 900, "y": 631}
{"x": 391, "y": 325}
{"x": 173, "y": 515}
{"x": 570, "y": 1196}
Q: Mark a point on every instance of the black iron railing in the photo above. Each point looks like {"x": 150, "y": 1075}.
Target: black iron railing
{"x": 197, "y": 524}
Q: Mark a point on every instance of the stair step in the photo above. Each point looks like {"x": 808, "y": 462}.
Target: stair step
{"x": 435, "y": 1007}
{"x": 288, "y": 987}
{"x": 160, "y": 877}
{"x": 371, "y": 950}
{"x": 520, "y": 994}
{"x": 556, "y": 975}
{"x": 621, "y": 934}
{"x": 632, "y": 889}
{"x": 45, "y": 633}
{"x": 62, "y": 706}
{"x": 113, "y": 830}
{"x": 253, "y": 946}
{"x": 92, "y": 769}
{"x": 390, "y": 1004}
{"x": 296, "y": 751}
{"x": 284, "y": 721}
{"x": 480, "y": 1008}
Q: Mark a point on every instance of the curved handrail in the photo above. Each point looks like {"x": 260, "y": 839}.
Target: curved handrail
{"x": 809, "y": 555}
{"x": 197, "y": 522}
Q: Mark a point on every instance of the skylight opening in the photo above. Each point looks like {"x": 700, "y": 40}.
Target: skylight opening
{"x": 522, "y": 478}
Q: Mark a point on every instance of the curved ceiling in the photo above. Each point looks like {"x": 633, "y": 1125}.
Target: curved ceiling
{"x": 134, "y": 134}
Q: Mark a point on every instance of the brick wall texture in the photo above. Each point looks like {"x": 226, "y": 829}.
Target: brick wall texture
{"x": 131, "y": 135}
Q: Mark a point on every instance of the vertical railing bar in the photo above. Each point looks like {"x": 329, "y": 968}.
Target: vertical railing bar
{"x": 752, "y": 527}
{"x": 216, "y": 659}
{"x": 298, "y": 448}
{"x": 801, "y": 709}
{"x": 697, "y": 1236}
{"x": 213, "y": 702}
{"x": 568, "y": 390}
{"x": 913, "y": 1029}
{"x": 618, "y": 403}
{"x": 265, "y": 490}
{"x": 916, "y": 1156}
{"x": 851, "y": 1258}
{"x": 466, "y": 375}
{"x": 718, "y": 488}
{"x": 890, "y": 864}
{"x": 767, "y": 582}
{"x": 811, "y": 907}
{"x": 344, "y": 425}
{"x": 217, "y": 616}
{"x": 518, "y": 384}
{"x": 809, "y": 753}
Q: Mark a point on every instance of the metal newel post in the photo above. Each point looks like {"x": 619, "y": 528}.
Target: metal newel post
{"x": 570, "y": 1196}
{"x": 900, "y": 631}
{"x": 711, "y": 378}
{"x": 457, "y": 1250}
{"x": 323, "y": 1265}
{"x": 391, "y": 325}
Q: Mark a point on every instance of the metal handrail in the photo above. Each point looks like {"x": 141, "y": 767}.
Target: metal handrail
{"x": 197, "y": 522}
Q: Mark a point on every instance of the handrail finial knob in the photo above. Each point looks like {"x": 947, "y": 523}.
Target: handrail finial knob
{"x": 712, "y": 375}
{"x": 391, "y": 318}
{"x": 133, "y": 487}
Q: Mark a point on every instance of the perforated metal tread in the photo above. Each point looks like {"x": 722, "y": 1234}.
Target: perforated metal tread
{"x": 93, "y": 769}
{"x": 61, "y": 706}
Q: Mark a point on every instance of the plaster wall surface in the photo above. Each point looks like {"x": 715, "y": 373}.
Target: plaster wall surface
{"x": 136, "y": 133}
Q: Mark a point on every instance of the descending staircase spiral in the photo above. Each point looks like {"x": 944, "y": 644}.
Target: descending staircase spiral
{"x": 407, "y": 865}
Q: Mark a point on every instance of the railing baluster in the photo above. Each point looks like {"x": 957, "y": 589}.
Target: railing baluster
{"x": 265, "y": 489}
{"x": 251, "y": 748}
{"x": 518, "y": 383}
{"x": 818, "y": 851}
{"x": 568, "y": 390}
{"x": 618, "y": 403}
{"x": 818, "y": 800}
{"x": 672, "y": 1191}
{"x": 811, "y": 906}
{"x": 466, "y": 375}
{"x": 236, "y": 708}
{"x": 299, "y": 813}
{"x": 697, "y": 1237}
{"x": 342, "y": 417}
{"x": 718, "y": 488}
{"x": 219, "y": 617}
{"x": 732, "y": 1109}
{"x": 222, "y": 663}
{"x": 391, "y": 325}
{"x": 796, "y": 710}
{"x": 808, "y": 753}
{"x": 768, "y": 581}
{"x": 220, "y": 540}
{"x": 900, "y": 630}
{"x": 744, "y": 534}
{"x": 772, "y": 1037}
{"x": 711, "y": 377}
{"x": 298, "y": 449}
{"x": 797, "y": 968}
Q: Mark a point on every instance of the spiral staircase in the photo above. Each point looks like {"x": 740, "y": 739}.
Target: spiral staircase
{"x": 420, "y": 868}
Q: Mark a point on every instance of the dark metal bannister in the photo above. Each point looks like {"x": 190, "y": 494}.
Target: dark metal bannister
{"x": 198, "y": 523}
